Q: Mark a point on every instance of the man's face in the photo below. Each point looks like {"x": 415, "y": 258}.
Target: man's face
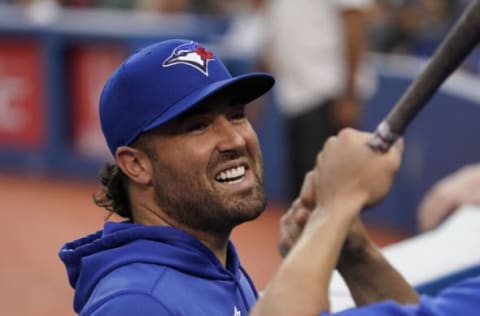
{"x": 208, "y": 172}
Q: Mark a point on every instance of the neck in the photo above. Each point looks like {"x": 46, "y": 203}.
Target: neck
{"x": 217, "y": 242}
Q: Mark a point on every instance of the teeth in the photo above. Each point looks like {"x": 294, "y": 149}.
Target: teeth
{"x": 231, "y": 174}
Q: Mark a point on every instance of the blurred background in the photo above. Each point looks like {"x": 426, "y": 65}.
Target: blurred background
{"x": 56, "y": 55}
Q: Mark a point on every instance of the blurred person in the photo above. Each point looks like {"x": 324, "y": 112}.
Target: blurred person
{"x": 40, "y": 11}
{"x": 243, "y": 40}
{"x": 164, "y": 6}
{"x": 187, "y": 171}
{"x": 316, "y": 51}
{"x": 435, "y": 19}
{"x": 412, "y": 27}
{"x": 116, "y": 4}
{"x": 77, "y": 3}
{"x": 244, "y": 35}
{"x": 392, "y": 26}
{"x": 211, "y": 8}
{"x": 99, "y": 4}
{"x": 449, "y": 194}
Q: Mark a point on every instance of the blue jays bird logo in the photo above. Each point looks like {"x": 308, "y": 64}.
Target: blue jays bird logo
{"x": 190, "y": 54}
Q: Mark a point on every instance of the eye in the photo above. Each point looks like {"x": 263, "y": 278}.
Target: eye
{"x": 195, "y": 125}
{"x": 237, "y": 113}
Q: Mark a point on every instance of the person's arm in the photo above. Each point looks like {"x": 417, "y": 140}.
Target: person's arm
{"x": 347, "y": 177}
{"x": 460, "y": 188}
{"x": 368, "y": 275}
{"x": 354, "y": 23}
{"x": 348, "y": 106}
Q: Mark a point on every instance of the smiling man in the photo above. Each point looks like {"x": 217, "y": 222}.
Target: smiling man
{"x": 188, "y": 170}
{"x": 215, "y": 175}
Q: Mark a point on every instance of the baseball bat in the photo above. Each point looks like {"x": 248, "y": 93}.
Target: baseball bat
{"x": 459, "y": 42}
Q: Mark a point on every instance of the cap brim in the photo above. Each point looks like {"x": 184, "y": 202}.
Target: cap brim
{"x": 245, "y": 88}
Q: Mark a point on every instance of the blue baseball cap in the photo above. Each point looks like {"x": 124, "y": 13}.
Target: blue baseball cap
{"x": 161, "y": 81}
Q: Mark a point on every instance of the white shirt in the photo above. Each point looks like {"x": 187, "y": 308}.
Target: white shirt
{"x": 306, "y": 44}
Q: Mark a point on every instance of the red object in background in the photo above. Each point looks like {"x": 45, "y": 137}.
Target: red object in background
{"x": 90, "y": 65}
{"x": 22, "y": 102}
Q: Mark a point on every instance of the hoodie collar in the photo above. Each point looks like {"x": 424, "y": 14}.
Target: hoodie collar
{"x": 90, "y": 258}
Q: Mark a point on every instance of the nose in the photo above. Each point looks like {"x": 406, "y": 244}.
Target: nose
{"x": 230, "y": 135}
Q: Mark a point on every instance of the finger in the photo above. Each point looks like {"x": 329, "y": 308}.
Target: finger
{"x": 292, "y": 224}
{"x": 397, "y": 151}
{"x": 286, "y": 240}
{"x": 297, "y": 203}
{"x": 288, "y": 227}
{"x": 295, "y": 216}
{"x": 284, "y": 247}
{"x": 307, "y": 192}
{"x": 301, "y": 217}
{"x": 399, "y": 145}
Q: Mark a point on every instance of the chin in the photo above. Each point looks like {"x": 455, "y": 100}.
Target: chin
{"x": 249, "y": 210}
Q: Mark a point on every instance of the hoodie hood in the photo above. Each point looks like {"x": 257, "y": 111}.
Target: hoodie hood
{"x": 90, "y": 258}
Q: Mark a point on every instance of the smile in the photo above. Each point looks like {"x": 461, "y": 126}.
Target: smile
{"x": 232, "y": 175}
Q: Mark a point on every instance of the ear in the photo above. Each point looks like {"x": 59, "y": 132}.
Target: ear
{"x": 135, "y": 164}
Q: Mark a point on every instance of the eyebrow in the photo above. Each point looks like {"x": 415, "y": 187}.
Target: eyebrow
{"x": 197, "y": 110}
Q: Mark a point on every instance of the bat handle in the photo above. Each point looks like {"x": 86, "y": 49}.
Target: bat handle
{"x": 383, "y": 137}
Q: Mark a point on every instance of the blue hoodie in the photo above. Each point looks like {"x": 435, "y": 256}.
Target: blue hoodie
{"x": 132, "y": 269}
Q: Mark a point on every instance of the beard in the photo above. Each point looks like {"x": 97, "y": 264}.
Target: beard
{"x": 191, "y": 203}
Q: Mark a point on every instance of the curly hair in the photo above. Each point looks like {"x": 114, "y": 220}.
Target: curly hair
{"x": 114, "y": 195}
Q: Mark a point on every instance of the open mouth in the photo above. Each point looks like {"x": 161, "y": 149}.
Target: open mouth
{"x": 232, "y": 175}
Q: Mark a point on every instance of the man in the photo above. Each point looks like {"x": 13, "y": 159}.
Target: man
{"x": 187, "y": 170}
